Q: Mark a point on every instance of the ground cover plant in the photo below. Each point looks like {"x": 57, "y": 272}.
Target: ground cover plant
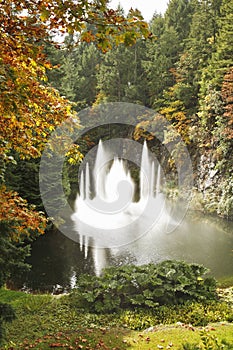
{"x": 45, "y": 322}
{"x": 146, "y": 286}
{"x": 204, "y": 322}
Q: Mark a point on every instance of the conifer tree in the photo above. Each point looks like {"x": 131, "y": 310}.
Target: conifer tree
{"x": 161, "y": 55}
{"x": 121, "y": 76}
{"x": 179, "y": 16}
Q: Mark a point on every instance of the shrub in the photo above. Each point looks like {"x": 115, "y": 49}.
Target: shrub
{"x": 147, "y": 286}
{"x": 193, "y": 313}
{"x": 7, "y": 314}
{"x": 208, "y": 342}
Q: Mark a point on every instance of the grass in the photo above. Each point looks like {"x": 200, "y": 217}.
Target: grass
{"x": 170, "y": 337}
{"x": 45, "y": 322}
{"x": 225, "y": 282}
{"x": 81, "y": 338}
{"x": 174, "y": 336}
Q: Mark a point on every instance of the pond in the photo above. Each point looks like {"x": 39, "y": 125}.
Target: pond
{"x": 57, "y": 261}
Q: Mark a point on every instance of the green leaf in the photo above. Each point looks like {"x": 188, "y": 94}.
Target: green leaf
{"x": 45, "y": 14}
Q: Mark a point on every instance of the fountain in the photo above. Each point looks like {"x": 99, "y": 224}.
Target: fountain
{"x": 116, "y": 220}
{"x": 106, "y": 214}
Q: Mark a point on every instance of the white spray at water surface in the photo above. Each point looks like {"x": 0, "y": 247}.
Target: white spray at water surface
{"x": 105, "y": 210}
{"x": 139, "y": 221}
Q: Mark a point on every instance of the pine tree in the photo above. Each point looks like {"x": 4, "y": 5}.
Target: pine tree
{"x": 215, "y": 112}
{"x": 221, "y": 59}
{"x": 179, "y": 16}
{"x": 121, "y": 76}
{"x": 23, "y": 177}
{"x": 76, "y": 76}
{"x": 203, "y": 33}
{"x": 161, "y": 55}
{"x": 198, "y": 48}
{"x": 219, "y": 64}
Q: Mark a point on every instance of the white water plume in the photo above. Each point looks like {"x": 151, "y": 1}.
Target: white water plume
{"x": 106, "y": 215}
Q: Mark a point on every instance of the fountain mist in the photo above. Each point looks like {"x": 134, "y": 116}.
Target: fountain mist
{"x": 106, "y": 215}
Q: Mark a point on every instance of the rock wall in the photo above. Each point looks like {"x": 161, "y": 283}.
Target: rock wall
{"x": 215, "y": 186}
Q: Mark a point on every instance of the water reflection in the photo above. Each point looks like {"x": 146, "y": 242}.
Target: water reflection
{"x": 57, "y": 261}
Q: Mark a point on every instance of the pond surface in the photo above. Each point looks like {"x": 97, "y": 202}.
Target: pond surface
{"x": 57, "y": 261}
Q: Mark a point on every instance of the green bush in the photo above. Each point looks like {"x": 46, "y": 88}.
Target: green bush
{"x": 7, "y": 314}
{"x": 193, "y": 313}
{"x": 208, "y": 342}
{"x": 147, "y": 286}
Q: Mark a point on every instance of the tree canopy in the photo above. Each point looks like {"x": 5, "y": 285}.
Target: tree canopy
{"x": 30, "y": 107}
{"x": 184, "y": 72}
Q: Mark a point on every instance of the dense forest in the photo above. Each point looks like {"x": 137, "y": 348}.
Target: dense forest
{"x": 180, "y": 65}
{"x": 184, "y": 71}
{"x": 59, "y": 57}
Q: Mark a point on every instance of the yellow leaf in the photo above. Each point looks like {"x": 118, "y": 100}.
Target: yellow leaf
{"x": 44, "y": 15}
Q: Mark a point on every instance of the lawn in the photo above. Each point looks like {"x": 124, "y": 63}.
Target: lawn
{"x": 45, "y": 322}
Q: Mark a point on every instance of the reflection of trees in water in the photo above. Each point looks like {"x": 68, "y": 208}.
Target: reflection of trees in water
{"x": 218, "y": 223}
{"x": 55, "y": 261}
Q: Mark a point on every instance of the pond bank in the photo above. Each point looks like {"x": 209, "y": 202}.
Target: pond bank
{"x": 45, "y": 322}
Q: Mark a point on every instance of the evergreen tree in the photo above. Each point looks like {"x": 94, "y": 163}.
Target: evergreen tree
{"x": 215, "y": 113}
{"x": 224, "y": 52}
{"x": 76, "y": 77}
{"x": 161, "y": 55}
{"x": 219, "y": 64}
{"x": 203, "y": 33}
{"x": 121, "y": 76}
{"x": 199, "y": 47}
{"x": 23, "y": 177}
{"x": 179, "y": 16}
{"x": 221, "y": 60}
{"x": 69, "y": 76}
{"x": 86, "y": 88}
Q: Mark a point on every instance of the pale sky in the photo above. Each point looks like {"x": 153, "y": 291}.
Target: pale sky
{"x": 147, "y": 7}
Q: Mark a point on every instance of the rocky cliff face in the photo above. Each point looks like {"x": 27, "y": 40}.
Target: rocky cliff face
{"x": 215, "y": 185}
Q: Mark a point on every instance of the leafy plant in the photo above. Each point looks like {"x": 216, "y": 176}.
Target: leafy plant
{"x": 43, "y": 320}
{"x": 208, "y": 342}
{"x": 7, "y": 314}
{"x": 147, "y": 286}
{"x": 194, "y": 313}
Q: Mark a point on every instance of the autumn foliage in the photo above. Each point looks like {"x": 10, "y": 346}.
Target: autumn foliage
{"x": 30, "y": 109}
{"x": 23, "y": 218}
{"x": 227, "y": 96}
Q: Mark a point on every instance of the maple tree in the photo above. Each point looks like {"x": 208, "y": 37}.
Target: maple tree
{"x": 227, "y": 96}
{"x": 23, "y": 218}
{"x": 31, "y": 109}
